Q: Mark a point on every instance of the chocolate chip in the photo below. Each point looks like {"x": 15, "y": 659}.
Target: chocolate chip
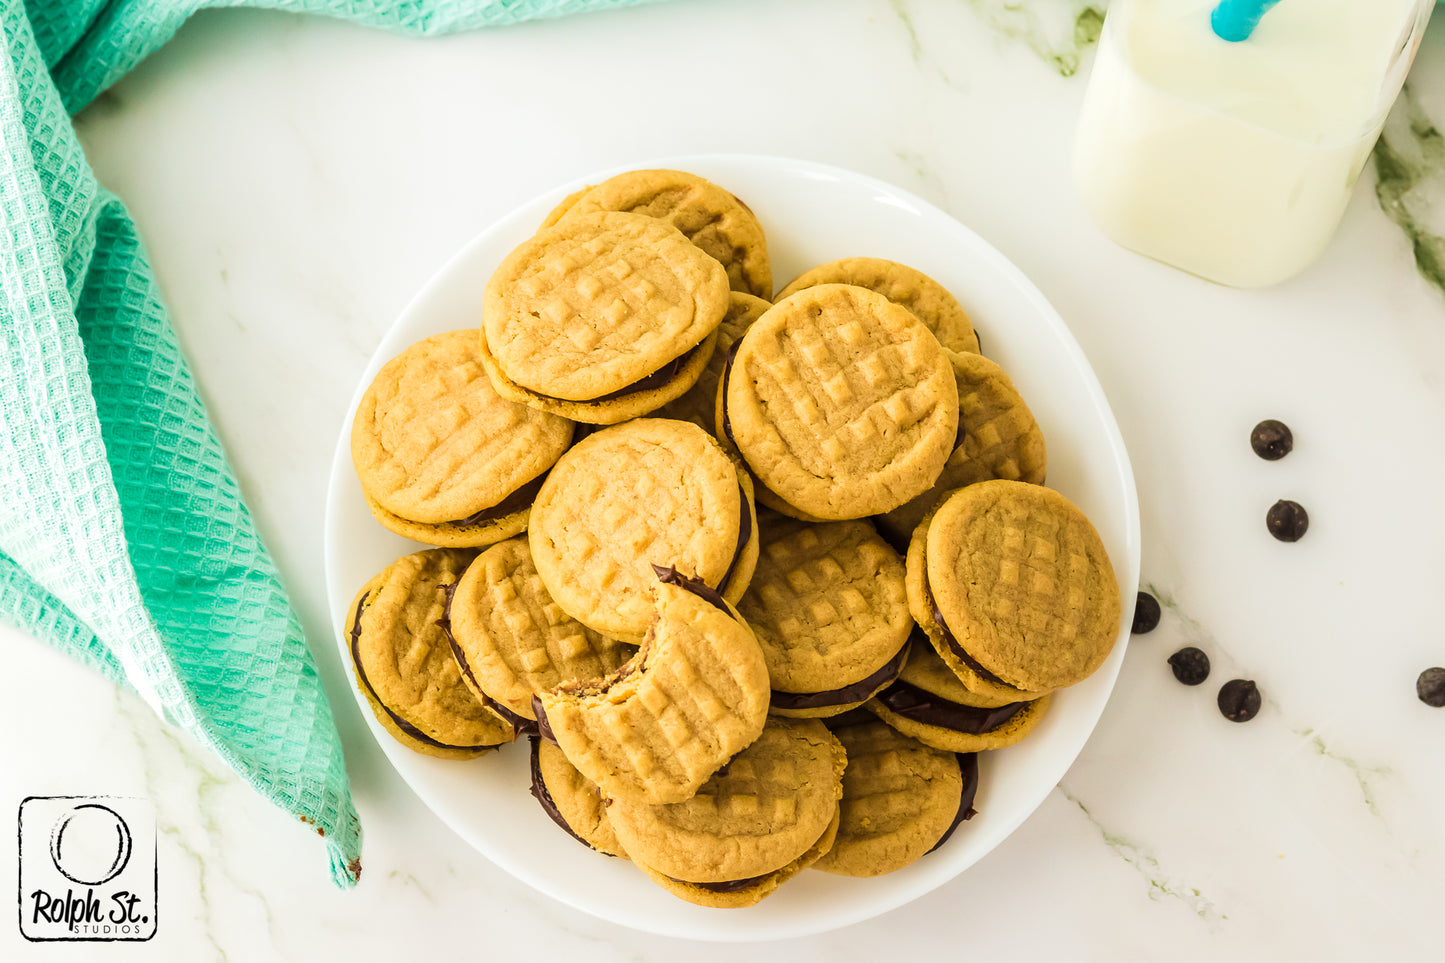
{"x": 1146, "y": 614}
{"x": 1287, "y": 521}
{"x": 1190, "y": 665}
{"x": 1239, "y": 700}
{"x": 1430, "y": 687}
{"x": 1271, "y": 440}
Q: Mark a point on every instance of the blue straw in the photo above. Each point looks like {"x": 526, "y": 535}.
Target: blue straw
{"x": 1235, "y": 20}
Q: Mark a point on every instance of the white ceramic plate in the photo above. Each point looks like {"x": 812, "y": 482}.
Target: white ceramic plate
{"x": 812, "y": 213}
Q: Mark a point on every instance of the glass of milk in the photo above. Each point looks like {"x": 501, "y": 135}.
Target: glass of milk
{"x": 1234, "y": 161}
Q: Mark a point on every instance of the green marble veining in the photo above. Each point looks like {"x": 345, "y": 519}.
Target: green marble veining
{"x": 1362, "y": 772}
{"x": 1410, "y": 183}
{"x": 1148, "y": 867}
{"x": 916, "y": 50}
{"x": 1059, "y": 32}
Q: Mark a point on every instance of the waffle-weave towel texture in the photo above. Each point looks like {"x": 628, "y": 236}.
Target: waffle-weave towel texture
{"x": 124, "y": 540}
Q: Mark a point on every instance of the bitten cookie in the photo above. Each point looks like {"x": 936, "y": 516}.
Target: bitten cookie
{"x": 931, "y": 704}
{"x": 708, "y": 216}
{"x": 441, "y": 457}
{"x": 602, "y": 317}
{"x": 512, "y": 641}
{"x": 828, "y": 606}
{"x": 901, "y": 284}
{"x": 571, "y": 800}
{"x": 699, "y": 405}
{"x": 648, "y": 492}
{"x": 659, "y": 727}
{"x": 404, "y": 665}
{"x": 900, "y": 801}
{"x": 841, "y": 402}
{"x": 998, "y": 438}
{"x": 1014, "y": 588}
{"x": 772, "y": 812}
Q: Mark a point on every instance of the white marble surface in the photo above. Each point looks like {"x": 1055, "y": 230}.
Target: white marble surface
{"x": 297, "y": 180}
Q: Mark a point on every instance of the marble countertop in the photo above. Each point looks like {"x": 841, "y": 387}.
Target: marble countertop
{"x": 296, "y": 180}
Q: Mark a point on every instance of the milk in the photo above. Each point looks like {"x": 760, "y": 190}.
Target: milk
{"x": 1235, "y": 161}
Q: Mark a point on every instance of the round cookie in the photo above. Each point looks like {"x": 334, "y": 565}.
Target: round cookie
{"x": 901, "y": 284}
{"x": 829, "y": 609}
{"x": 404, "y": 665}
{"x": 649, "y": 492}
{"x": 900, "y": 798}
{"x": 512, "y": 641}
{"x": 602, "y": 317}
{"x": 841, "y": 402}
{"x": 563, "y": 206}
{"x": 440, "y": 455}
{"x": 931, "y": 704}
{"x": 571, "y": 800}
{"x": 768, "y": 815}
{"x": 999, "y": 439}
{"x": 699, "y": 404}
{"x": 660, "y": 726}
{"x": 708, "y": 216}
{"x": 1014, "y": 587}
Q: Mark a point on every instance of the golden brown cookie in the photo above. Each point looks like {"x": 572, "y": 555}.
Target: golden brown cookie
{"x": 441, "y": 457}
{"x": 901, "y": 284}
{"x": 931, "y": 704}
{"x": 710, "y": 217}
{"x": 999, "y": 438}
{"x": 571, "y": 800}
{"x": 699, "y": 405}
{"x": 1014, "y": 588}
{"x": 512, "y": 640}
{"x": 828, "y": 606}
{"x": 404, "y": 665}
{"x": 563, "y": 206}
{"x": 768, "y": 815}
{"x": 602, "y": 317}
{"x": 626, "y": 498}
{"x": 841, "y": 402}
{"x": 900, "y": 801}
{"x": 659, "y": 727}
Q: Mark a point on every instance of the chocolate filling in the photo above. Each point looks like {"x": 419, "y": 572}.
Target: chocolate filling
{"x": 968, "y": 764}
{"x": 857, "y": 692}
{"x": 401, "y": 723}
{"x": 513, "y": 503}
{"x": 727, "y": 425}
{"x": 657, "y": 379}
{"x": 544, "y": 796}
{"x": 953, "y": 645}
{"x": 543, "y": 728}
{"x": 745, "y": 531}
{"x": 727, "y": 885}
{"x": 668, "y": 575}
{"x": 521, "y": 724}
{"x": 920, "y": 705}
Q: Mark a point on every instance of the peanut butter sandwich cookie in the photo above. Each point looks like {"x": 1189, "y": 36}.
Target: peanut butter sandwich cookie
{"x": 931, "y": 704}
{"x": 512, "y": 641}
{"x": 602, "y": 317}
{"x": 768, "y": 815}
{"x": 707, "y": 215}
{"x": 901, "y": 284}
{"x": 997, "y": 438}
{"x": 829, "y": 608}
{"x": 442, "y": 458}
{"x": 660, "y": 726}
{"x": 901, "y": 800}
{"x": 841, "y": 402}
{"x": 699, "y": 405}
{"x": 1014, "y": 588}
{"x": 649, "y": 492}
{"x": 571, "y": 800}
{"x": 404, "y": 665}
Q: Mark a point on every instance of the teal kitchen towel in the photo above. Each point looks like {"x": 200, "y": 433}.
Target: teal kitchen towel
{"x": 124, "y": 539}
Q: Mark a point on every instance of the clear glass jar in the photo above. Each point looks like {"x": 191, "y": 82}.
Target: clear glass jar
{"x": 1234, "y": 161}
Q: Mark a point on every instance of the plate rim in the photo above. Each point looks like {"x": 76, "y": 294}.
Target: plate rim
{"x": 1127, "y": 569}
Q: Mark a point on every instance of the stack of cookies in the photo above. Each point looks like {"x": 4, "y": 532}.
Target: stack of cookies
{"x": 759, "y": 579}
